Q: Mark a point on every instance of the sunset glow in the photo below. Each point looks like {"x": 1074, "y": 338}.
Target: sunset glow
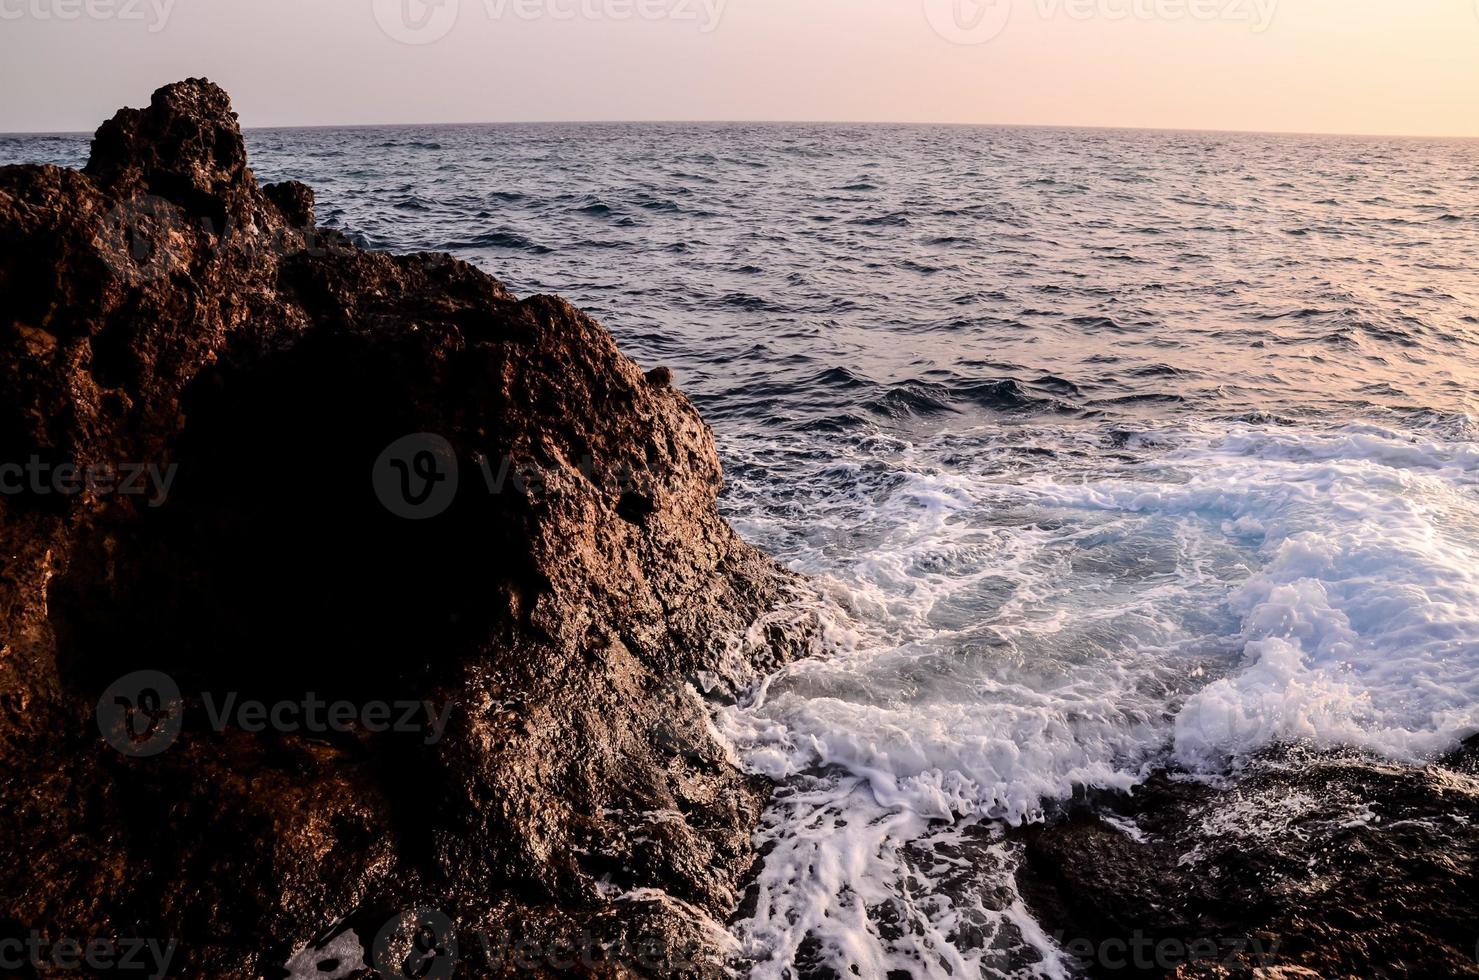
{"x": 1341, "y": 66}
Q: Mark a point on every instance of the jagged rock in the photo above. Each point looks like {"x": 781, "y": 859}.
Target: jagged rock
{"x": 1306, "y": 864}
{"x": 376, "y": 478}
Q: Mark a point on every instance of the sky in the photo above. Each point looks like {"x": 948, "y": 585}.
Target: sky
{"x": 1400, "y": 67}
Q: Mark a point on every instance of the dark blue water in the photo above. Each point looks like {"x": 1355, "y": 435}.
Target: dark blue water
{"x": 1105, "y": 450}
{"x": 822, "y": 275}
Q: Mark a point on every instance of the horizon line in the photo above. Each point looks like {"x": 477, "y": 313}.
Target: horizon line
{"x": 802, "y": 122}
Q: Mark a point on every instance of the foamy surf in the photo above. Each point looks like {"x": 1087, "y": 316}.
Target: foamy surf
{"x": 1011, "y": 634}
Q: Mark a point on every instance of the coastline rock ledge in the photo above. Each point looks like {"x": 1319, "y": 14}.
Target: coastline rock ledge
{"x": 351, "y": 609}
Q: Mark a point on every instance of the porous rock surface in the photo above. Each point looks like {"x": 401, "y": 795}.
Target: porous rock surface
{"x": 576, "y": 818}
{"x": 1305, "y": 864}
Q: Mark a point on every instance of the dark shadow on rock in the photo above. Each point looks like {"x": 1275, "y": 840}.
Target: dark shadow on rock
{"x": 272, "y": 568}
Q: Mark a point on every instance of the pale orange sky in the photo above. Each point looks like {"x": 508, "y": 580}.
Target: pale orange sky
{"x": 1347, "y": 66}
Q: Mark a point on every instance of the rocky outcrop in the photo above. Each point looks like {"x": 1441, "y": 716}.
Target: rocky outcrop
{"x": 1304, "y": 865}
{"x": 264, "y": 465}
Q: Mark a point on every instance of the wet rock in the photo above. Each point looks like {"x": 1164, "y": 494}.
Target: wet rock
{"x": 294, "y": 200}
{"x": 275, "y": 467}
{"x": 1306, "y": 864}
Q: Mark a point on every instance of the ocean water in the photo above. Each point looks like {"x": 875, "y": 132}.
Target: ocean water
{"x": 1106, "y": 451}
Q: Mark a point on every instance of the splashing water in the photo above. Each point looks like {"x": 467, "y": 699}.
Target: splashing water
{"x": 1010, "y": 633}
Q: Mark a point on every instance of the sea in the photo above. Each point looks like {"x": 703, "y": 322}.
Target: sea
{"x": 1106, "y": 452}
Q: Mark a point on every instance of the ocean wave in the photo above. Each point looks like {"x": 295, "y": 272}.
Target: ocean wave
{"x": 1008, "y": 634}
{"x": 495, "y": 239}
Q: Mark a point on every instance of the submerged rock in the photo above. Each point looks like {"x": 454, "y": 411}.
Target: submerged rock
{"x": 266, "y": 465}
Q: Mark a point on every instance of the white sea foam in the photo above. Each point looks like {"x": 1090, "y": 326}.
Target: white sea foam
{"x": 1362, "y": 627}
{"x": 1015, "y": 633}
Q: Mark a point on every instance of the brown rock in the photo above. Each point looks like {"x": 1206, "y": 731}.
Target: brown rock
{"x": 376, "y": 478}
